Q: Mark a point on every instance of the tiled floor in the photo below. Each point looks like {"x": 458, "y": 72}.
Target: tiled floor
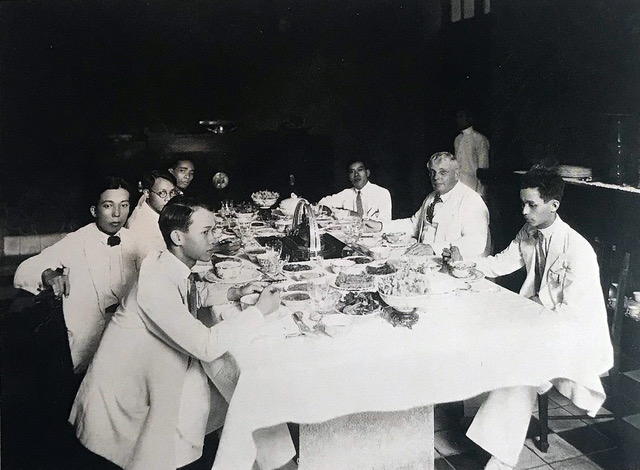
{"x": 573, "y": 444}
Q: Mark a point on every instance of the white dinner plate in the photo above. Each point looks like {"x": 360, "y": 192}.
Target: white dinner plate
{"x": 247, "y": 274}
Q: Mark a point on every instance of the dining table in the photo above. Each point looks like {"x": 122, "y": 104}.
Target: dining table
{"x": 471, "y": 337}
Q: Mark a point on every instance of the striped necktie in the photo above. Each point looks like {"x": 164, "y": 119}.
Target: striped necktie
{"x": 359, "y": 207}
{"x": 432, "y": 206}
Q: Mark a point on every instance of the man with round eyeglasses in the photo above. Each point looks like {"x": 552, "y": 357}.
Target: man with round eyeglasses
{"x": 158, "y": 187}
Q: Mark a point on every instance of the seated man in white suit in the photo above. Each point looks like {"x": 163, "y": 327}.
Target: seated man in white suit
{"x": 157, "y": 188}
{"x": 145, "y": 400}
{"x": 452, "y": 214}
{"x": 364, "y": 198}
{"x": 92, "y": 269}
{"x": 562, "y": 275}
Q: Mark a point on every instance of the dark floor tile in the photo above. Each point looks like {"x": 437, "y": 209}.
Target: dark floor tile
{"x": 442, "y": 464}
{"x": 608, "y": 459}
{"x": 587, "y": 440}
{"x": 607, "y": 428}
{"x": 473, "y": 460}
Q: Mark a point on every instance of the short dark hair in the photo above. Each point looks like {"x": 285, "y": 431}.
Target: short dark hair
{"x": 365, "y": 163}
{"x": 550, "y": 185}
{"x": 149, "y": 178}
{"x": 176, "y": 215}
{"x": 104, "y": 184}
{"x": 174, "y": 165}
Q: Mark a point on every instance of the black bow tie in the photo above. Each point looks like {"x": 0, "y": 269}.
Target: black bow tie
{"x": 113, "y": 240}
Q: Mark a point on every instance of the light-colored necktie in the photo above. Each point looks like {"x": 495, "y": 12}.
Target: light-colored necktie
{"x": 359, "y": 207}
{"x": 541, "y": 260}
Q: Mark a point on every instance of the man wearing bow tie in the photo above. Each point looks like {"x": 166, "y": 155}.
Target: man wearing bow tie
{"x": 452, "y": 214}
{"x": 562, "y": 275}
{"x": 91, "y": 269}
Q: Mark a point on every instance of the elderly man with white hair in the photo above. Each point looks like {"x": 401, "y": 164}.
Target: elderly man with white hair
{"x": 452, "y": 214}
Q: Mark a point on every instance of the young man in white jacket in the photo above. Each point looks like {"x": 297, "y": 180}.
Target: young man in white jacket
{"x": 92, "y": 269}
{"x": 562, "y": 275}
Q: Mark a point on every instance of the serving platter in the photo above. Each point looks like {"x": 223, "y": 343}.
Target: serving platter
{"x": 333, "y": 284}
{"x": 407, "y": 242}
{"x": 247, "y": 274}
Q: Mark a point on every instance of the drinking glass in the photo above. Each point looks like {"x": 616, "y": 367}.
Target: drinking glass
{"x": 226, "y": 211}
{"x": 319, "y": 293}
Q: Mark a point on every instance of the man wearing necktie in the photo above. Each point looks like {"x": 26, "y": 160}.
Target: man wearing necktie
{"x": 146, "y": 400}
{"x": 563, "y": 276}
{"x": 452, "y": 214}
{"x": 364, "y": 199}
{"x": 92, "y": 269}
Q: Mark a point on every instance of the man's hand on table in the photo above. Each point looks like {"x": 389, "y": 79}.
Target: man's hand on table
{"x": 419, "y": 249}
{"x": 451, "y": 254}
{"x": 57, "y": 280}
{"x": 269, "y": 300}
{"x": 234, "y": 293}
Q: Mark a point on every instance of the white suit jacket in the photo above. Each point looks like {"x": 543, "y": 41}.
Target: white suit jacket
{"x": 144, "y": 223}
{"x": 461, "y": 220}
{"x": 99, "y": 275}
{"x": 132, "y": 406}
{"x": 570, "y": 286}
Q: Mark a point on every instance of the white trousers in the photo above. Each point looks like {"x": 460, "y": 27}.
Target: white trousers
{"x": 274, "y": 446}
{"x": 500, "y": 426}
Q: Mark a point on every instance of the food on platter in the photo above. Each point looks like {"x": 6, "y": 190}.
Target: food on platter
{"x": 354, "y": 280}
{"x": 360, "y": 259}
{"x": 298, "y": 286}
{"x": 381, "y": 269}
{"x": 359, "y": 303}
{"x": 295, "y": 300}
{"x": 404, "y": 283}
{"x": 296, "y": 267}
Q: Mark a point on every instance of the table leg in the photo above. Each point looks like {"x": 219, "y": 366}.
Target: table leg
{"x": 372, "y": 440}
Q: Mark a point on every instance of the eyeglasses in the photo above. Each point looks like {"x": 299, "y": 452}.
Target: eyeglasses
{"x": 163, "y": 193}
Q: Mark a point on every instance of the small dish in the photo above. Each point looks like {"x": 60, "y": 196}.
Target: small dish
{"x": 339, "y": 263}
{"x": 461, "y": 269}
{"x": 295, "y": 300}
{"x": 248, "y": 300}
{"x": 228, "y": 268}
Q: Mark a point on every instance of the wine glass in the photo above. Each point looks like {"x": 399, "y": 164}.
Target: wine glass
{"x": 226, "y": 211}
{"x": 319, "y": 293}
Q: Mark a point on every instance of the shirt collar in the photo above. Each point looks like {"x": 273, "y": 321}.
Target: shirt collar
{"x": 101, "y": 236}
{"x": 364, "y": 188}
{"x": 176, "y": 268}
{"x": 548, "y": 232}
{"x": 445, "y": 197}
{"x": 468, "y": 130}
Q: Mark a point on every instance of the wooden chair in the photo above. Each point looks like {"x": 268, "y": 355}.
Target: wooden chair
{"x": 607, "y": 259}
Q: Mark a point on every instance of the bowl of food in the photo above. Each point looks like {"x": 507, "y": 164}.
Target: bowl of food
{"x": 295, "y": 300}
{"x": 339, "y": 264}
{"x": 404, "y": 290}
{"x": 265, "y": 199}
{"x": 461, "y": 269}
{"x": 245, "y": 217}
{"x": 380, "y": 252}
{"x": 248, "y": 300}
{"x": 228, "y": 268}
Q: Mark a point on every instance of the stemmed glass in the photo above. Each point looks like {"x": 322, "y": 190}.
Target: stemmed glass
{"x": 319, "y": 293}
{"x": 273, "y": 251}
{"x": 226, "y": 211}
{"x": 353, "y": 230}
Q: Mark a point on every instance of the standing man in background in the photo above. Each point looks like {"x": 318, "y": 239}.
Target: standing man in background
{"x": 472, "y": 151}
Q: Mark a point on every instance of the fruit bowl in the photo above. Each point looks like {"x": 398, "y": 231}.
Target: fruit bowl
{"x": 265, "y": 199}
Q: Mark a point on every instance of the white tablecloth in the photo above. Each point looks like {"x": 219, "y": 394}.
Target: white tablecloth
{"x": 465, "y": 343}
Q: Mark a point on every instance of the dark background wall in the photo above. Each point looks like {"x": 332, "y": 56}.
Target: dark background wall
{"x": 352, "y": 73}
{"x": 379, "y": 79}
